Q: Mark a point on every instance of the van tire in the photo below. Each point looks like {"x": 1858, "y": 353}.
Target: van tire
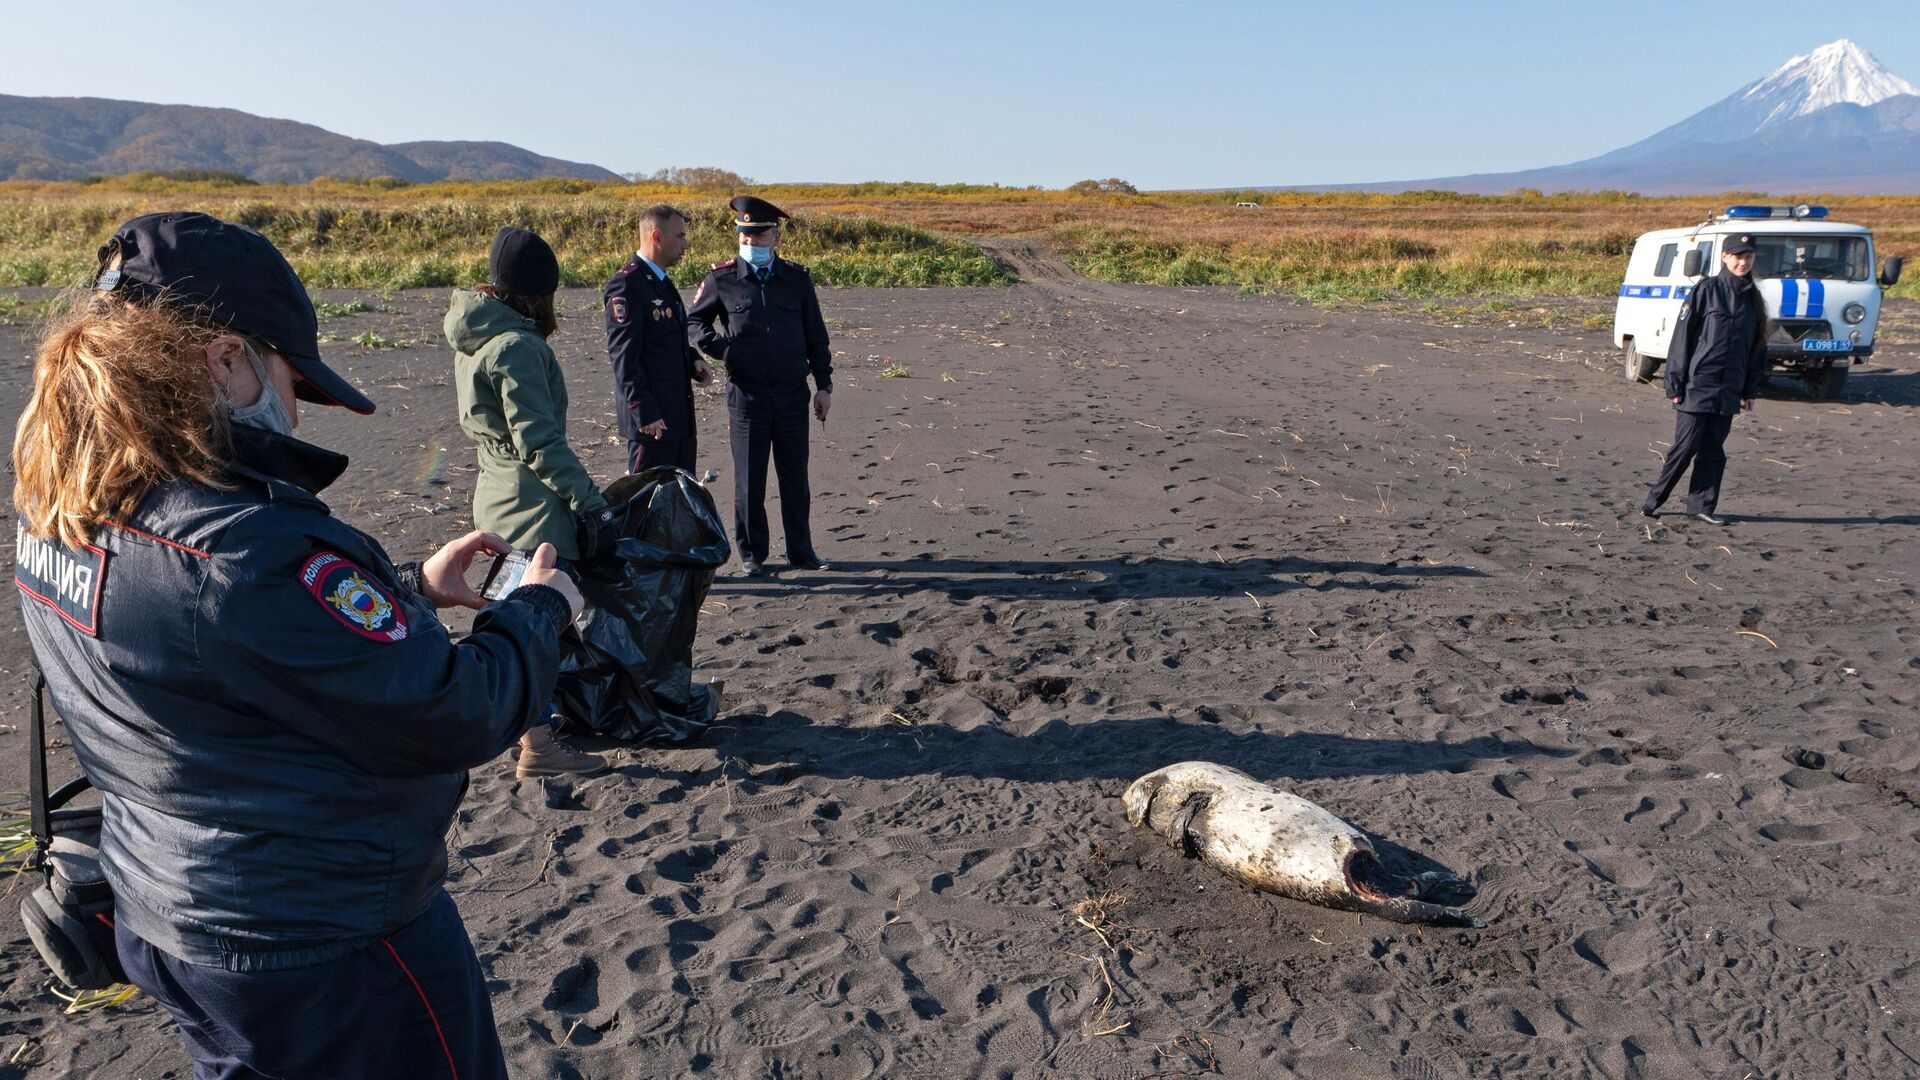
{"x": 1828, "y": 383}
{"x": 1639, "y": 368}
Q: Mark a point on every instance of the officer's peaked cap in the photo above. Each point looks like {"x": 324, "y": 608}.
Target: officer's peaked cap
{"x": 230, "y": 276}
{"x": 752, "y": 214}
{"x": 1737, "y": 245}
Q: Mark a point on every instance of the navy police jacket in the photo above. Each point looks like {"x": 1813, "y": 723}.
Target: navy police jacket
{"x": 771, "y": 335}
{"x": 1719, "y": 354}
{"x": 652, "y": 358}
{"x": 279, "y": 726}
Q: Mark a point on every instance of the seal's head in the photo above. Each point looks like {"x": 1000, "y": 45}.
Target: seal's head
{"x": 1139, "y": 796}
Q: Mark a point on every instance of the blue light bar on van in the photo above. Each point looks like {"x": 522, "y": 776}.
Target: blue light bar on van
{"x": 1800, "y": 211}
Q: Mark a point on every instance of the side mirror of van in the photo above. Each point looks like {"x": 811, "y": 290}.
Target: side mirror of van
{"x": 1692, "y": 267}
{"x": 1890, "y": 271}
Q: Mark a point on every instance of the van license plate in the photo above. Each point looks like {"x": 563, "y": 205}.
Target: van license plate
{"x": 1825, "y": 345}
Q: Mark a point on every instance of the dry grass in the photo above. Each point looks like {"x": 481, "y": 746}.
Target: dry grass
{"x": 1350, "y": 245}
{"x": 1325, "y": 247}
{"x": 1096, "y": 913}
{"x": 363, "y": 236}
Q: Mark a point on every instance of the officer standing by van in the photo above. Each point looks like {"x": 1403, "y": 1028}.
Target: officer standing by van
{"x": 655, "y": 367}
{"x": 759, "y": 315}
{"x": 1717, "y": 366}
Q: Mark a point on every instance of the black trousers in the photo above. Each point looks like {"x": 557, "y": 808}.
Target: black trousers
{"x": 644, "y": 453}
{"x": 1699, "y": 440}
{"x": 411, "y": 1006}
{"x": 759, "y": 421}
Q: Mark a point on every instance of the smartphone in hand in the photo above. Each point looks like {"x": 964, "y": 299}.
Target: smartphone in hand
{"x": 504, "y": 575}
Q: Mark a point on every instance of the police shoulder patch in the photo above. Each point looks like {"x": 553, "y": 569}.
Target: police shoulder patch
{"x": 617, "y": 308}
{"x": 352, "y": 596}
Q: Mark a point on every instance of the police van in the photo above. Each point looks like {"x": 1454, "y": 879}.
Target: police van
{"x": 1815, "y": 276}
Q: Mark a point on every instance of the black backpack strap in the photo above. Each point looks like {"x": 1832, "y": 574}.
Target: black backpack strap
{"x": 42, "y": 817}
{"x": 45, "y": 807}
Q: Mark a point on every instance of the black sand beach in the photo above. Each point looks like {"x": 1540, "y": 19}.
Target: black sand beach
{"x": 1389, "y": 564}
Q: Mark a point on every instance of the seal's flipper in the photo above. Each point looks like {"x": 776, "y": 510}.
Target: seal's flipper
{"x": 1190, "y": 826}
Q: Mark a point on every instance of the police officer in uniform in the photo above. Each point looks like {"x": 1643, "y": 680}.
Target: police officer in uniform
{"x": 655, "y": 366}
{"x": 1717, "y": 367}
{"x": 759, "y": 315}
{"x": 278, "y": 723}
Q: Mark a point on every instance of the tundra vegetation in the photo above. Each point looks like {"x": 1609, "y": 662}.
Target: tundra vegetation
{"x": 1324, "y": 247}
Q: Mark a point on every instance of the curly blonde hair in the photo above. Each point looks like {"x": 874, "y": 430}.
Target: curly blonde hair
{"x": 122, "y": 403}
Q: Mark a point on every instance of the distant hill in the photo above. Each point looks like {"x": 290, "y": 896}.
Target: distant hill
{"x": 1832, "y": 121}
{"x": 72, "y": 138}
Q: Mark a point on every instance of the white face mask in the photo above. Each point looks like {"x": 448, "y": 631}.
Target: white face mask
{"x": 755, "y": 254}
{"x": 270, "y": 413}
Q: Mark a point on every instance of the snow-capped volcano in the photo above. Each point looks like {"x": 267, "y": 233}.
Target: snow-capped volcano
{"x": 1841, "y": 73}
{"x": 1838, "y": 74}
{"x": 1831, "y": 122}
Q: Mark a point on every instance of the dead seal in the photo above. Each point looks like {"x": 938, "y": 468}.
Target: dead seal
{"x": 1276, "y": 841}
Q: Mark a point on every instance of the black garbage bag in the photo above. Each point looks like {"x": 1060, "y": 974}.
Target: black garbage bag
{"x": 628, "y": 673}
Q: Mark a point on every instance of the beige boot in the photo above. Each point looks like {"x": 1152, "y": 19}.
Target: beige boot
{"x": 543, "y": 755}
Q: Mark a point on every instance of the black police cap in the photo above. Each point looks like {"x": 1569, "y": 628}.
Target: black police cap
{"x": 522, "y": 264}
{"x": 752, "y": 214}
{"x": 231, "y": 276}
{"x": 1737, "y": 245}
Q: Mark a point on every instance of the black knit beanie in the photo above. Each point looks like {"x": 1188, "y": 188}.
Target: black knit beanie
{"x": 522, "y": 264}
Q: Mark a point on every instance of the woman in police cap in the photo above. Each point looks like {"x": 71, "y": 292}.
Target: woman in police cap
{"x": 277, "y": 721}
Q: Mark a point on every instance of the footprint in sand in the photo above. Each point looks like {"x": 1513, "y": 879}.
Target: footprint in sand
{"x": 760, "y": 1021}
{"x": 576, "y": 989}
{"x": 1624, "y": 867}
{"x": 1622, "y": 948}
{"x": 853, "y": 1056}
{"x": 1829, "y": 832}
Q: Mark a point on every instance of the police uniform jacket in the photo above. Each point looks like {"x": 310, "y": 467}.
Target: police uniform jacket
{"x": 769, "y": 336}
{"x": 1719, "y": 353}
{"x": 279, "y": 725}
{"x": 652, "y": 358}
{"x": 532, "y": 488}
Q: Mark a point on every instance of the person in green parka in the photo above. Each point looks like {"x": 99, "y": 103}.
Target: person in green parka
{"x": 532, "y": 488}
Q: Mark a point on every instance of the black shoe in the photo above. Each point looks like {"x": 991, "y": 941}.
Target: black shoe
{"x": 806, "y": 562}
{"x": 1710, "y": 519}
{"x": 752, "y": 568}
{"x": 1649, "y": 511}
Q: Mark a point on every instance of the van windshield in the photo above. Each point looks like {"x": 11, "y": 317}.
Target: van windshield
{"x": 1834, "y": 258}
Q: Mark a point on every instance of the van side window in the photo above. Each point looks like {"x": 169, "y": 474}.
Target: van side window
{"x": 1705, "y": 248}
{"x": 1664, "y": 266}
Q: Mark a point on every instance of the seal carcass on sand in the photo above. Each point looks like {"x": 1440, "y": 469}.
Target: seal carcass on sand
{"x": 1276, "y": 841}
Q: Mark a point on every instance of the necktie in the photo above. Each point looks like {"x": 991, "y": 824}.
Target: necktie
{"x": 762, "y": 274}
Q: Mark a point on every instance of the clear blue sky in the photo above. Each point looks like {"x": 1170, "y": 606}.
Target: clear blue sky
{"x": 1162, "y": 94}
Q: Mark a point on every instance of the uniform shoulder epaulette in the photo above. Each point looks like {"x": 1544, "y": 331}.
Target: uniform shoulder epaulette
{"x": 723, "y": 264}
{"x": 631, "y": 266}
{"x": 802, "y": 267}
{"x": 621, "y": 277}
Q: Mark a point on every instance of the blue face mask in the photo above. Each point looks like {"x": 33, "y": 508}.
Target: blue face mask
{"x": 756, "y": 255}
{"x": 269, "y": 412}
